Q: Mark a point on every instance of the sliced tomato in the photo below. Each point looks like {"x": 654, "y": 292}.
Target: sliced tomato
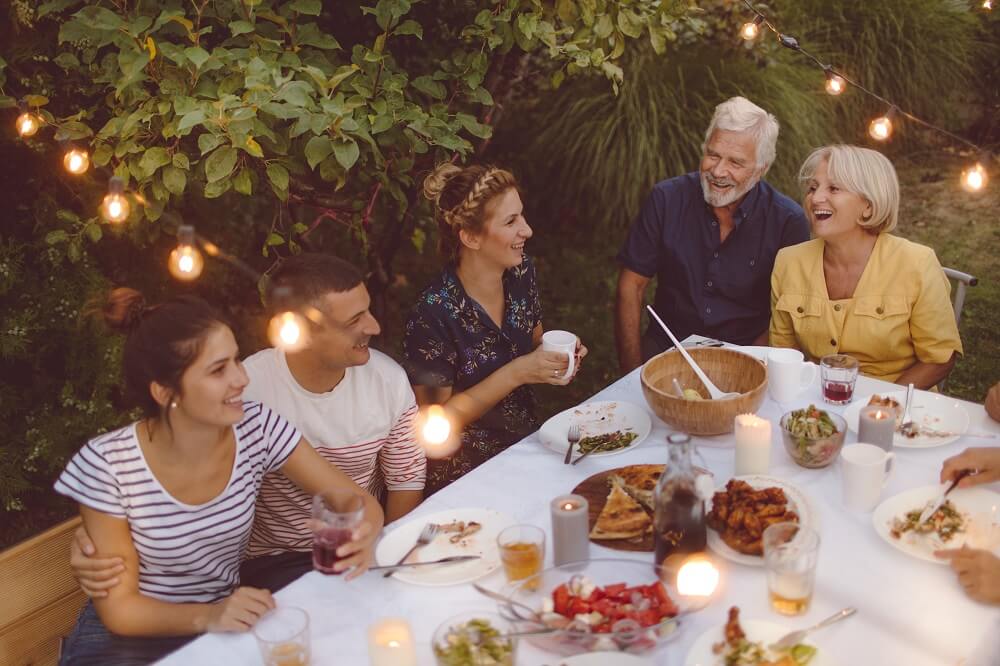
{"x": 578, "y": 606}
{"x": 666, "y": 604}
{"x": 560, "y": 600}
{"x": 614, "y": 589}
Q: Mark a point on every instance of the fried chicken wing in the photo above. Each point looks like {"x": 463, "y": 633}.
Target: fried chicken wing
{"x": 741, "y": 513}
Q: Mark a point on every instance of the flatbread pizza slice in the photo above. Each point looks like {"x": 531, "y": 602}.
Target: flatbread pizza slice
{"x": 639, "y": 481}
{"x": 621, "y": 518}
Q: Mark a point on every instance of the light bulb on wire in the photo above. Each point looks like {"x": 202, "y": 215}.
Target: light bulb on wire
{"x": 974, "y": 178}
{"x": 987, "y": 5}
{"x": 751, "y": 29}
{"x": 76, "y": 161}
{"x": 27, "y": 122}
{"x": 186, "y": 262}
{"x": 834, "y": 84}
{"x": 880, "y": 129}
{"x": 288, "y": 330}
{"x": 115, "y": 207}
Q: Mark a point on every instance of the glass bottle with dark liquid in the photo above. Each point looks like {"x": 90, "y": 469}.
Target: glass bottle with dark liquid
{"x": 679, "y": 516}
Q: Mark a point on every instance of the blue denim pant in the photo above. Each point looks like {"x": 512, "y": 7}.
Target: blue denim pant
{"x": 91, "y": 644}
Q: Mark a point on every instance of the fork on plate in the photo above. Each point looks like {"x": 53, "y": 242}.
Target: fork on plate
{"x": 573, "y": 437}
{"x": 426, "y": 536}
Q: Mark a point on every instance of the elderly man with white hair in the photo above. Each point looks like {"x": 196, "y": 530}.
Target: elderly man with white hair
{"x": 710, "y": 238}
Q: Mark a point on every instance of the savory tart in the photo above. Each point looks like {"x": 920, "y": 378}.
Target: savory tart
{"x": 621, "y": 518}
{"x": 639, "y": 481}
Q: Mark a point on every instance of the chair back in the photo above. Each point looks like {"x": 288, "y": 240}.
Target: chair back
{"x": 962, "y": 282}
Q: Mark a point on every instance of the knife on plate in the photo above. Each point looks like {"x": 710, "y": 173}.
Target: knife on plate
{"x": 454, "y": 559}
{"x": 936, "y": 504}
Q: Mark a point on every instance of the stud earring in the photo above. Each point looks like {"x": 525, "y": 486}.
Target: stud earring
{"x": 173, "y": 405}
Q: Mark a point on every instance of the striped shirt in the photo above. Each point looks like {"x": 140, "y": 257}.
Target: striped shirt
{"x": 187, "y": 553}
{"x": 364, "y": 426}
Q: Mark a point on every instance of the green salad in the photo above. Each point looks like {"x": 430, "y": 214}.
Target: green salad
{"x": 811, "y": 429}
{"x": 749, "y": 653}
{"x": 474, "y": 643}
{"x": 611, "y": 441}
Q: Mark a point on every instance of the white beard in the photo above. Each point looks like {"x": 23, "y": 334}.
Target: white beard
{"x": 721, "y": 199}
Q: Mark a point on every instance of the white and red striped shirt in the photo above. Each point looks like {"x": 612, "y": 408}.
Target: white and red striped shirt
{"x": 364, "y": 426}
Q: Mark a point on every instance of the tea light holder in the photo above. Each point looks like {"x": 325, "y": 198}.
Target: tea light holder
{"x": 877, "y": 425}
{"x": 570, "y": 529}
{"x": 753, "y": 444}
{"x": 390, "y": 643}
{"x": 697, "y": 581}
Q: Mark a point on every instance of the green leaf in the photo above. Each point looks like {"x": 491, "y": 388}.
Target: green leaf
{"x": 197, "y": 55}
{"x": 99, "y": 18}
{"x": 36, "y": 100}
{"x": 298, "y": 93}
{"x": 409, "y": 27}
{"x": 94, "y": 232}
{"x": 153, "y": 159}
{"x": 658, "y": 38}
{"x": 55, "y": 237}
{"x": 252, "y": 147}
{"x": 429, "y": 86}
{"x": 220, "y": 164}
{"x": 242, "y": 182}
{"x": 588, "y": 9}
{"x": 310, "y": 7}
{"x": 474, "y": 127}
{"x": 67, "y": 61}
{"x": 604, "y": 26}
{"x": 181, "y": 161}
{"x": 102, "y": 155}
{"x": 217, "y": 188}
{"x": 346, "y": 152}
{"x": 174, "y": 179}
{"x": 274, "y": 239}
{"x": 341, "y": 74}
{"x": 208, "y": 141}
{"x": 310, "y": 35}
{"x": 278, "y": 175}
{"x": 527, "y": 24}
{"x": 629, "y": 23}
{"x": 241, "y": 27}
{"x": 317, "y": 149}
{"x": 566, "y": 11}
{"x": 189, "y": 120}
{"x": 72, "y": 130}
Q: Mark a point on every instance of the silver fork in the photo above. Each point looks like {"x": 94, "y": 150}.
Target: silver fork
{"x": 573, "y": 436}
{"x": 908, "y": 428}
{"x": 426, "y": 536}
{"x": 791, "y": 638}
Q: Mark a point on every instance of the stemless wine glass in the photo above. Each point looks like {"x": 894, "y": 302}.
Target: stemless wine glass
{"x": 838, "y": 372}
{"x": 522, "y": 551}
{"x": 283, "y": 637}
{"x": 790, "y": 554}
{"x": 336, "y": 515}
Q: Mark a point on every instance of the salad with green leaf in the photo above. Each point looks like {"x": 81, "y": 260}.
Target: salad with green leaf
{"x": 474, "y": 643}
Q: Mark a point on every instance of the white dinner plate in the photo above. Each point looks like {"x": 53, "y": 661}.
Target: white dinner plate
{"x": 701, "y": 653}
{"x": 797, "y": 502}
{"x": 484, "y": 543}
{"x": 981, "y": 506}
{"x": 597, "y": 418}
{"x": 601, "y": 659}
{"x": 929, "y": 410}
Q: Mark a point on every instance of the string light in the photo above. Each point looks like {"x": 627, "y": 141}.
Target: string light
{"x": 287, "y": 330}
{"x": 186, "y": 262}
{"x": 880, "y": 129}
{"x": 974, "y": 178}
{"x": 835, "y": 83}
{"x": 987, "y": 5}
{"x": 27, "y": 123}
{"x": 115, "y": 207}
{"x": 751, "y": 29}
{"x": 76, "y": 160}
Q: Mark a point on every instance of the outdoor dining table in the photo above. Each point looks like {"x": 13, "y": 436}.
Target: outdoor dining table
{"x": 910, "y": 612}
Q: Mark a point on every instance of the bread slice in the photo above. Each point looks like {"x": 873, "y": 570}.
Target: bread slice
{"x": 621, "y": 518}
{"x": 639, "y": 481}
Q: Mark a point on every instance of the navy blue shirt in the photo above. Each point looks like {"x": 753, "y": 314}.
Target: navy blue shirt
{"x": 450, "y": 340}
{"x": 719, "y": 290}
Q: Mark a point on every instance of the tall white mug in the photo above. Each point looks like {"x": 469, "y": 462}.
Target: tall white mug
{"x": 561, "y": 341}
{"x": 865, "y": 469}
{"x": 788, "y": 374}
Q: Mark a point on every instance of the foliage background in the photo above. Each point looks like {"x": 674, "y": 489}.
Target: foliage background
{"x": 280, "y": 125}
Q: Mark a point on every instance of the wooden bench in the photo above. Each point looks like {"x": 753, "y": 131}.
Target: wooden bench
{"x": 39, "y": 598}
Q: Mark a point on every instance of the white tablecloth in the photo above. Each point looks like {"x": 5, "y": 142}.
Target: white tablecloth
{"x": 910, "y": 612}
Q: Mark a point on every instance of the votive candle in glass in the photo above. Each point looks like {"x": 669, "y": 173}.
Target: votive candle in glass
{"x": 390, "y": 643}
{"x": 570, "y": 529}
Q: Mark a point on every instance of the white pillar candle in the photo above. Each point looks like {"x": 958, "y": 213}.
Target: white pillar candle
{"x": 390, "y": 643}
{"x": 877, "y": 425}
{"x": 570, "y": 529}
{"x": 753, "y": 444}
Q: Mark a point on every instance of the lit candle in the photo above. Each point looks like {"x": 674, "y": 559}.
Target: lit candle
{"x": 697, "y": 577}
{"x": 877, "y": 425}
{"x": 390, "y": 643}
{"x": 570, "y": 529}
{"x": 753, "y": 444}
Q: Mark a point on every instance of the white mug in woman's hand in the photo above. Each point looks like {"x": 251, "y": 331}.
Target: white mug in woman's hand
{"x": 564, "y": 342}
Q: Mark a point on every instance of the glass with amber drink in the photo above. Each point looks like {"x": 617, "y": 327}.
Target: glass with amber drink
{"x": 283, "y": 637}
{"x": 522, "y": 551}
{"x": 790, "y": 554}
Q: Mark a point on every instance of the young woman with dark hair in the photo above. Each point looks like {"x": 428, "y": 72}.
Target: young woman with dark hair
{"x": 172, "y": 495}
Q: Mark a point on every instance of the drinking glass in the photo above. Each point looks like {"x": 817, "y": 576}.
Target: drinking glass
{"x": 283, "y": 637}
{"x": 790, "y": 554}
{"x": 838, "y": 372}
{"x": 522, "y": 551}
{"x": 336, "y": 515}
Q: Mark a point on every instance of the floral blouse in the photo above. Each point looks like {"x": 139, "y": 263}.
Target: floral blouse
{"x": 451, "y": 341}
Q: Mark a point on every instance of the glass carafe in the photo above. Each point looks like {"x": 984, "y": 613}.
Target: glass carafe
{"x": 679, "y": 517}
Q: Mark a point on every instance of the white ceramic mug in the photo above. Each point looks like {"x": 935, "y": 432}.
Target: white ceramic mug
{"x": 788, "y": 374}
{"x": 865, "y": 469}
{"x": 561, "y": 341}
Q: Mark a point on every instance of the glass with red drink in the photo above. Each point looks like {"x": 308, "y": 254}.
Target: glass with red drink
{"x": 838, "y": 372}
{"x": 336, "y": 515}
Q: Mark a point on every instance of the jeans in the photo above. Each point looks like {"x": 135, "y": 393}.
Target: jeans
{"x": 273, "y": 572}
{"x": 91, "y": 644}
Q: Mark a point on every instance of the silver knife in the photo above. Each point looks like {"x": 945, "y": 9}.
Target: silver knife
{"x": 936, "y": 504}
{"x": 454, "y": 559}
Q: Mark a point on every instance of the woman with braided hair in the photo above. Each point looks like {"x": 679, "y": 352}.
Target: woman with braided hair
{"x": 472, "y": 342}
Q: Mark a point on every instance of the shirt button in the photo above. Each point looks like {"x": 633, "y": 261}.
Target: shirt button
{"x": 713, "y": 223}
{"x": 837, "y": 307}
{"x": 752, "y": 262}
{"x": 833, "y": 343}
{"x": 716, "y": 255}
{"x": 800, "y": 309}
{"x": 708, "y": 284}
{"x": 879, "y": 309}
{"x": 708, "y": 310}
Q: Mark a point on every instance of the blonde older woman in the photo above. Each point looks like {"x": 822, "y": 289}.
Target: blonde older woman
{"x": 855, "y": 288}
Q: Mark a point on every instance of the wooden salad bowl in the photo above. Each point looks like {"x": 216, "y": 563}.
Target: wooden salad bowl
{"x": 729, "y": 369}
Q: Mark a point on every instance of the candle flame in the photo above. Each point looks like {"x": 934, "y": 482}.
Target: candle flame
{"x": 393, "y": 644}
{"x": 880, "y": 415}
{"x": 569, "y": 506}
{"x": 437, "y": 428}
{"x": 698, "y": 577}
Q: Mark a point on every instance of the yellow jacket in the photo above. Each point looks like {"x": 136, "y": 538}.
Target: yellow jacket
{"x": 901, "y": 310}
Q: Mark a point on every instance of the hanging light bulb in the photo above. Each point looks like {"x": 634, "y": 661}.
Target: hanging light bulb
{"x": 880, "y": 129}
{"x": 186, "y": 262}
{"x": 987, "y": 5}
{"x": 288, "y": 331}
{"x": 76, "y": 160}
{"x": 115, "y": 207}
{"x": 834, "y": 84}
{"x": 27, "y": 123}
{"x": 751, "y": 29}
{"x": 974, "y": 178}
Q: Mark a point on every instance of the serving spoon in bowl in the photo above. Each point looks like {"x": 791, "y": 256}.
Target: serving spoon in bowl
{"x": 713, "y": 390}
